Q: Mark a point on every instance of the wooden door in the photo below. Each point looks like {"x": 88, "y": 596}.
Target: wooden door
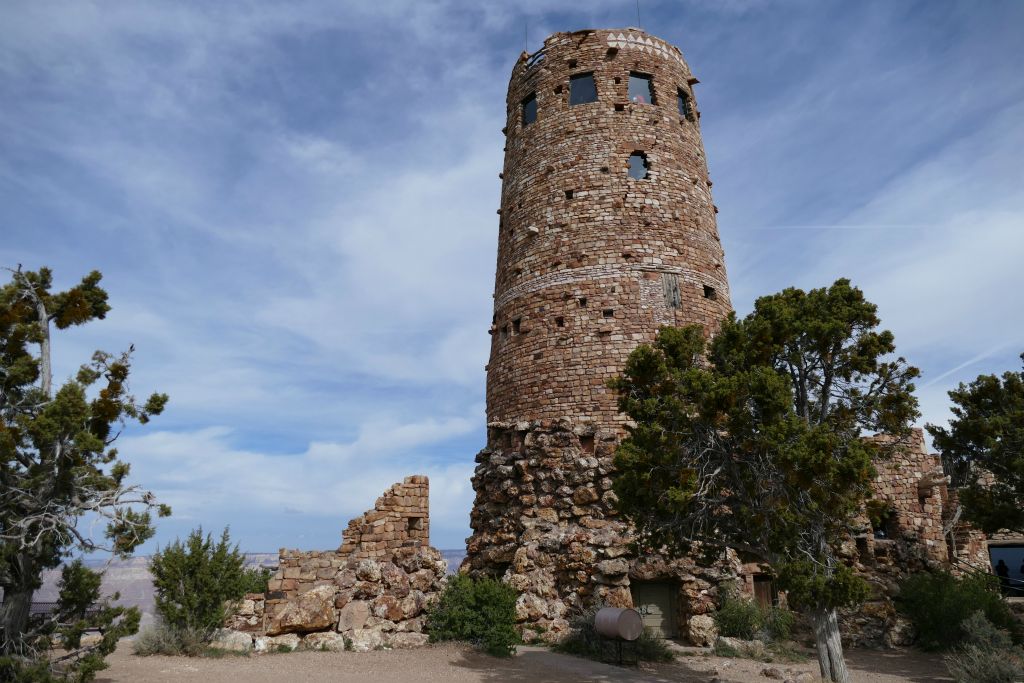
{"x": 656, "y": 604}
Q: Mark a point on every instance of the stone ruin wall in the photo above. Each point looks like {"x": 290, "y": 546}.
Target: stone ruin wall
{"x": 371, "y": 592}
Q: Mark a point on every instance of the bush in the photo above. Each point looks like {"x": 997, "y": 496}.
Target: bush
{"x": 161, "y": 639}
{"x": 938, "y": 604}
{"x": 739, "y": 617}
{"x": 987, "y": 655}
{"x": 195, "y": 582}
{"x": 479, "y": 611}
{"x": 255, "y": 579}
{"x": 584, "y": 641}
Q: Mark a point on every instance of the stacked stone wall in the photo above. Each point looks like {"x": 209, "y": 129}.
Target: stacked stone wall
{"x": 371, "y": 592}
{"x": 589, "y": 257}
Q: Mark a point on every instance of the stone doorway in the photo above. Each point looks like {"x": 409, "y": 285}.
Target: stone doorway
{"x": 764, "y": 590}
{"x": 656, "y": 601}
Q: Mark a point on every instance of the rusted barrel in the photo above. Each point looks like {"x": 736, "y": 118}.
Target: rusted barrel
{"x": 619, "y": 623}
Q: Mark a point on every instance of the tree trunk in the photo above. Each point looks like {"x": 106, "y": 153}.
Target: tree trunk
{"x": 16, "y": 601}
{"x": 830, "y": 646}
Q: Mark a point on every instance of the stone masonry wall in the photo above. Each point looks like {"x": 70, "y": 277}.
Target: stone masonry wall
{"x": 590, "y": 260}
{"x": 371, "y": 592}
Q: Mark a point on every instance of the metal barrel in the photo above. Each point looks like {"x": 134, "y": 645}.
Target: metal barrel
{"x": 619, "y": 623}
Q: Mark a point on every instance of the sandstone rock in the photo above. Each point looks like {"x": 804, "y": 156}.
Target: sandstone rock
{"x": 613, "y": 567}
{"x": 325, "y": 640}
{"x": 311, "y": 611}
{"x": 395, "y": 579}
{"x": 413, "y": 604}
{"x": 702, "y": 630}
{"x": 366, "y": 639}
{"x": 228, "y": 639}
{"x": 353, "y": 615}
{"x": 288, "y": 641}
{"x": 368, "y": 570}
{"x": 422, "y": 580}
{"x": 247, "y": 608}
{"x": 346, "y": 578}
{"x": 405, "y": 641}
{"x": 529, "y": 607}
{"x": 387, "y": 607}
{"x": 773, "y": 672}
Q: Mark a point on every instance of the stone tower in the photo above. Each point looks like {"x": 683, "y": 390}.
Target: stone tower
{"x": 606, "y": 233}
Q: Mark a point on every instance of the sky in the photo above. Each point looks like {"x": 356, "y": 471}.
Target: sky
{"x": 293, "y": 206}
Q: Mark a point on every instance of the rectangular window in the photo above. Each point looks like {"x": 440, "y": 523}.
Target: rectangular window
{"x": 641, "y": 88}
{"x": 530, "y": 109}
{"x": 685, "y": 108}
{"x": 710, "y": 293}
{"x": 582, "y": 89}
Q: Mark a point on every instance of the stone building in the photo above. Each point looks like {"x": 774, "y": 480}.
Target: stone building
{"x": 606, "y": 233}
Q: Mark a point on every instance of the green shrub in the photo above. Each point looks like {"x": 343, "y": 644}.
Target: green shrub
{"x": 195, "y": 581}
{"x": 739, "y": 617}
{"x": 162, "y": 639}
{"x": 255, "y": 579}
{"x": 584, "y": 641}
{"x": 479, "y": 611}
{"x": 987, "y": 654}
{"x": 938, "y": 604}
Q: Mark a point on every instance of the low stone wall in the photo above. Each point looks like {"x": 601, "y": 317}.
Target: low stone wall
{"x": 370, "y": 593}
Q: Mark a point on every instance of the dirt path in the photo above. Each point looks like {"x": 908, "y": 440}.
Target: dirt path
{"x": 458, "y": 664}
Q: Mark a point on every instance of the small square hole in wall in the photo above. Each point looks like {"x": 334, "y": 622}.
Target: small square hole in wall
{"x": 710, "y": 293}
{"x": 538, "y": 355}
{"x": 587, "y": 443}
{"x": 572, "y": 63}
{"x": 620, "y": 107}
{"x": 558, "y": 90}
{"x": 568, "y": 194}
{"x": 504, "y": 332}
{"x": 414, "y": 524}
{"x": 608, "y": 313}
{"x": 516, "y": 324}
{"x": 559, "y": 321}
{"x": 582, "y": 301}
{"x": 618, "y": 80}
{"x": 604, "y": 169}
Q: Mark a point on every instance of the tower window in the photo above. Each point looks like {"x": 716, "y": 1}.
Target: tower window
{"x": 530, "y": 109}
{"x": 685, "y": 105}
{"x": 638, "y": 165}
{"x": 582, "y": 301}
{"x": 710, "y": 293}
{"x": 516, "y": 324}
{"x": 560, "y": 321}
{"x": 608, "y": 313}
{"x": 582, "y": 89}
{"x": 504, "y": 332}
{"x": 641, "y": 88}
{"x": 568, "y": 194}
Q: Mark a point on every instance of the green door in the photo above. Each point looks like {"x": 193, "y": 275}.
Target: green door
{"x": 656, "y": 604}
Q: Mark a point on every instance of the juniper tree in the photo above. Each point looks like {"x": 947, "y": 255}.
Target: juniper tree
{"x": 986, "y": 435}
{"x": 59, "y": 472}
{"x": 753, "y": 441}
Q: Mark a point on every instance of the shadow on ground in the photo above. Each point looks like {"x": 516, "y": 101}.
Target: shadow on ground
{"x": 539, "y": 665}
{"x": 909, "y": 665}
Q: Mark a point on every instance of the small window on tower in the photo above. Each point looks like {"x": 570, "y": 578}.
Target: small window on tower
{"x": 641, "y": 88}
{"x": 516, "y": 324}
{"x": 530, "y": 109}
{"x": 582, "y": 89}
{"x": 685, "y": 105}
{"x": 638, "y": 165}
{"x": 710, "y": 293}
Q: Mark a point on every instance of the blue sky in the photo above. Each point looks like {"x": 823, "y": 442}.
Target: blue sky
{"x": 293, "y": 205}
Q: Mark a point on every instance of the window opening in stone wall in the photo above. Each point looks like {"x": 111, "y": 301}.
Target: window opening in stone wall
{"x": 582, "y": 89}
{"x": 641, "y": 88}
{"x": 638, "y": 165}
{"x": 516, "y": 325}
{"x": 608, "y": 313}
{"x": 1008, "y": 564}
{"x": 559, "y": 321}
{"x": 710, "y": 293}
{"x": 587, "y": 443}
{"x": 504, "y": 332}
{"x": 568, "y": 194}
{"x": 685, "y": 105}
{"x": 670, "y": 284}
{"x": 530, "y": 109}
{"x": 414, "y": 524}
{"x": 582, "y": 301}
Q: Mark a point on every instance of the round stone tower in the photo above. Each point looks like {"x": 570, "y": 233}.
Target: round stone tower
{"x": 606, "y": 233}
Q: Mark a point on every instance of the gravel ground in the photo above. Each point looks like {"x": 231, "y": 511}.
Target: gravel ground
{"x": 456, "y": 664}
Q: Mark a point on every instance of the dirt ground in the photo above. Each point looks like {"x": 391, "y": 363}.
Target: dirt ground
{"x": 456, "y": 664}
